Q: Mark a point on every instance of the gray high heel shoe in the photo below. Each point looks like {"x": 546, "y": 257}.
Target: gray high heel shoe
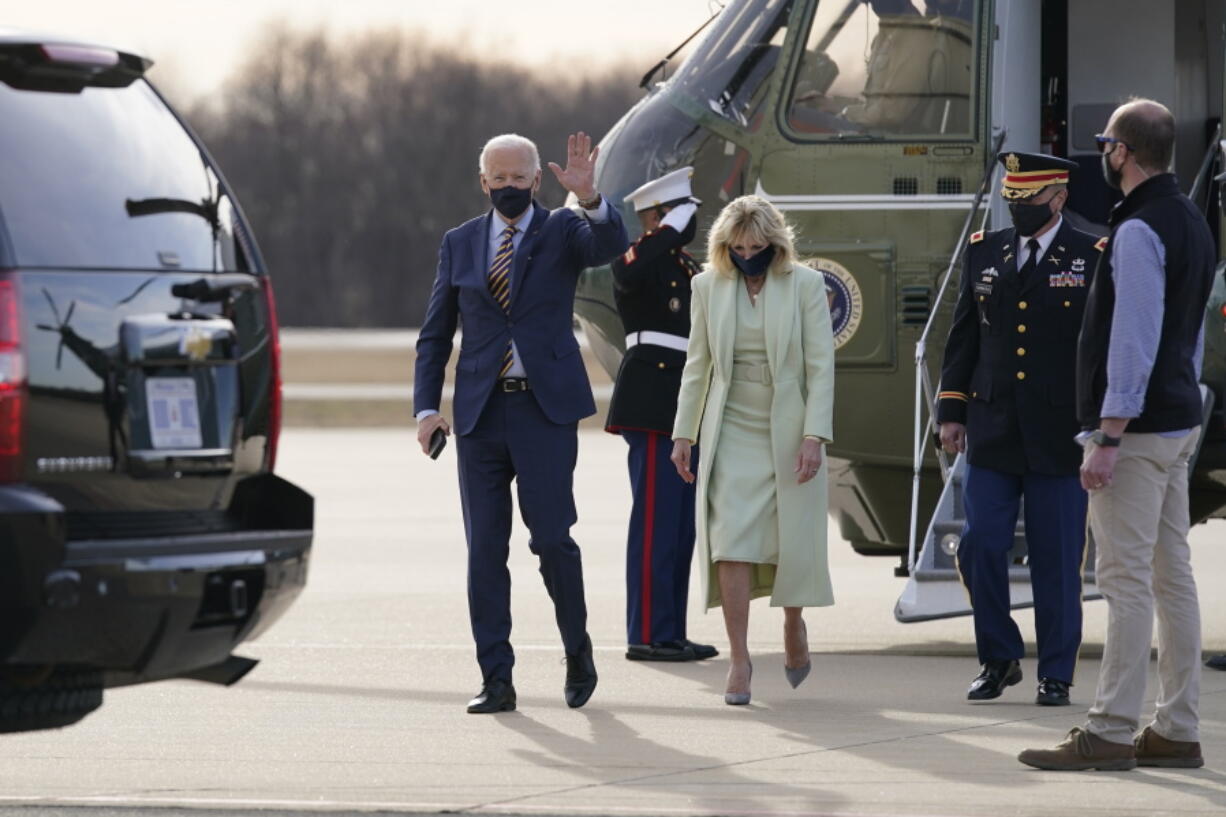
{"x": 797, "y": 675}
{"x": 739, "y": 698}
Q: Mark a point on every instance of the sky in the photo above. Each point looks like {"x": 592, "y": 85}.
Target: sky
{"x": 196, "y": 44}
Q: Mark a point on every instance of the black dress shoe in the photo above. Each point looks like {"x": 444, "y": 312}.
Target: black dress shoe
{"x": 996, "y": 675}
{"x": 580, "y": 675}
{"x": 1052, "y": 693}
{"x": 1217, "y": 662}
{"x": 660, "y": 651}
{"x": 702, "y": 651}
{"x": 495, "y": 696}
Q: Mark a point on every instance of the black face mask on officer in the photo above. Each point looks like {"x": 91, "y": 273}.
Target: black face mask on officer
{"x": 755, "y": 265}
{"x": 511, "y": 201}
{"x": 1028, "y": 219}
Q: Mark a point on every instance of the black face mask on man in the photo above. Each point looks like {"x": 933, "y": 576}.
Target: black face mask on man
{"x": 1028, "y": 219}
{"x": 1113, "y": 177}
{"x": 756, "y": 264}
{"x": 511, "y": 201}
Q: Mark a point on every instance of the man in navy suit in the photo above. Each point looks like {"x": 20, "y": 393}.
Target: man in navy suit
{"x": 520, "y": 390}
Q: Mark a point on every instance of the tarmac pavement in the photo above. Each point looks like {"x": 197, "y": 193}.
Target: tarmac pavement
{"x": 358, "y": 704}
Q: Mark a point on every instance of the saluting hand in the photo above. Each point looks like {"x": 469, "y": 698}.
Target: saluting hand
{"x": 579, "y": 177}
{"x": 681, "y": 459}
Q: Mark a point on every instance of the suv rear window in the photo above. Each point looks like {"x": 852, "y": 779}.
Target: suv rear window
{"x": 108, "y": 178}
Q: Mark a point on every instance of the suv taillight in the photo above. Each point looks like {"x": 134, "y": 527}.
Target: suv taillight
{"x": 274, "y": 398}
{"x": 12, "y": 382}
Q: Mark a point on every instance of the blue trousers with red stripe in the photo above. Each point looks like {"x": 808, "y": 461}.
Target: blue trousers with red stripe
{"x": 1055, "y": 547}
{"x": 660, "y": 545}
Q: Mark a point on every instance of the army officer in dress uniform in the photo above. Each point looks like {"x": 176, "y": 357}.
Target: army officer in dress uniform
{"x": 651, "y": 285}
{"x": 1007, "y": 400}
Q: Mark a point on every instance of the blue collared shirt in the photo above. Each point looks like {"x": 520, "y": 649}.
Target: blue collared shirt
{"x": 497, "y": 224}
{"x": 1138, "y": 269}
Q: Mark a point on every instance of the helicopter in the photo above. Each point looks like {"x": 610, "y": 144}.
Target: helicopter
{"x": 874, "y": 126}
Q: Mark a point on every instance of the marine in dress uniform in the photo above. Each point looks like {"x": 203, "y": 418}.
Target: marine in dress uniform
{"x": 651, "y": 286}
{"x": 1008, "y": 399}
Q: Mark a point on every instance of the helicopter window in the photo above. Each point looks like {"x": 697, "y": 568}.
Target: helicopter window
{"x": 885, "y": 68}
{"x": 108, "y": 178}
{"x": 730, "y": 69}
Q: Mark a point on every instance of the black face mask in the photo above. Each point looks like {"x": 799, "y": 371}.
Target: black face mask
{"x": 1028, "y": 219}
{"x": 1114, "y": 178}
{"x": 511, "y": 201}
{"x": 755, "y": 265}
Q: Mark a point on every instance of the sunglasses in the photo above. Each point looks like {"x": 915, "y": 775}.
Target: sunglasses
{"x": 1103, "y": 141}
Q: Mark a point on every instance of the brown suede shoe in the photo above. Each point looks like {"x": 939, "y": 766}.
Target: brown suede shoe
{"x": 1080, "y": 751}
{"x": 1154, "y": 750}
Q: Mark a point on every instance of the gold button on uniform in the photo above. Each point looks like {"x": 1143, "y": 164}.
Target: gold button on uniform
{"x": 672, "y": 283}
{"x": 1067, "y": 304}
{"x": 1021, "y": 304}
{"x": 1021, "y": 375}
{"x": 1021, "y": 351}
{"x": 661, "y": 365}
{"x": 1021, "y": 327}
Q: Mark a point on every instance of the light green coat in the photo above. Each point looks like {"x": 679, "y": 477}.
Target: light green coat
{"x": 800, "y": 354}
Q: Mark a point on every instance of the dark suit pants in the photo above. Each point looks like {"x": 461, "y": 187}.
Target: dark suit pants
{"x": 660, "y": 545}
{"x": 513, "y": 440}
{"x": 1055, "y": 546}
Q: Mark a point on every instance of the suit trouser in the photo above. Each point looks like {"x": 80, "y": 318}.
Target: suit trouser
{"x": 660, "y": 543}
{"x": 1055, "y": 547}
{"x": 513, "y": 440}
{"x": 1140, "y": 524}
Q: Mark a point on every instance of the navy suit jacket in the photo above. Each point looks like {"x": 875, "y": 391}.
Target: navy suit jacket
{"x": 558, "y": 246}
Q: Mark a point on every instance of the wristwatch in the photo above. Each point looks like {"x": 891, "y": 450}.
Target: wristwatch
{"x": 592, "y": 203}
{"x": 1103, "y": 440}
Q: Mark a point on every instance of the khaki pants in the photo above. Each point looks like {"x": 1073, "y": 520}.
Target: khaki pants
{"x": 1140, "y": 526}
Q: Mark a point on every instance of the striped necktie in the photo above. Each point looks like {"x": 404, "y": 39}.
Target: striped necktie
{"x": 500, "y": 284}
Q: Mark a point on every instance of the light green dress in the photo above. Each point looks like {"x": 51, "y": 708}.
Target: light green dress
{"x": 744, "y": 522}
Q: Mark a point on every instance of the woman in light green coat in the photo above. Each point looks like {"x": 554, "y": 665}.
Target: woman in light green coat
{"x": 757, "y": 393}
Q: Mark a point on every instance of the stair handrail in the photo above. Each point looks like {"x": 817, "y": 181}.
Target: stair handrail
{"x": 1206, "y": 164}
{"x": 924, "y": 393}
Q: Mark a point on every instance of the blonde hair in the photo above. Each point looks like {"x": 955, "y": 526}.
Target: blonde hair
{"x": 757, "y": 220}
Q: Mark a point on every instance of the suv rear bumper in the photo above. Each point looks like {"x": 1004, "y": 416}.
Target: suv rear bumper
{"x": 151, "y": 607}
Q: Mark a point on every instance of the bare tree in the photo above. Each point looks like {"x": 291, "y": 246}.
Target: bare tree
{"x": 353, "y": 157}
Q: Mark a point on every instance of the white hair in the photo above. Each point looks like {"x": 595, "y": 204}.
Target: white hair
{"x": 510, "y": 140}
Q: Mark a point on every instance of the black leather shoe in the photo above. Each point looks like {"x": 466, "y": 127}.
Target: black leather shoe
{"x": 996, "y": 675}
{"x": 660, "y": 651}
{"x": 580, "y": 676}
{"x": 495, "y": 696}
{"x": 1217, "y": 662}
{"x": 1052, "y": 693}
{"x": 702, "y": 651}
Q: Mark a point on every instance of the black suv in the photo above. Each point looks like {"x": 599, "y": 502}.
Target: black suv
{"x": 143, "y": 534}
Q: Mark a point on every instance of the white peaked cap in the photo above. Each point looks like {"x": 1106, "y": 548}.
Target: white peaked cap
{"x": 668, "y": 188}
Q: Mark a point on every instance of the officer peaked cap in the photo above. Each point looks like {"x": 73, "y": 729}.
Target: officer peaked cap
{"x": 670, "y": 189}
{"x": 1028, "y": 173}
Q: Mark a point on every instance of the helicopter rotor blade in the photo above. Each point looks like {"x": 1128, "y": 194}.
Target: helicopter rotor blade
{"x": 68, "y": 318}
{"x": 54, "y": 311}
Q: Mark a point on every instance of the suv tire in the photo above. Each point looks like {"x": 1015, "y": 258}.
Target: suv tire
{"x": 33, "y": 699}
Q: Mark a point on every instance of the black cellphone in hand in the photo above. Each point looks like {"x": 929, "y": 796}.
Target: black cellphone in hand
{"x": 438, "y": 441}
